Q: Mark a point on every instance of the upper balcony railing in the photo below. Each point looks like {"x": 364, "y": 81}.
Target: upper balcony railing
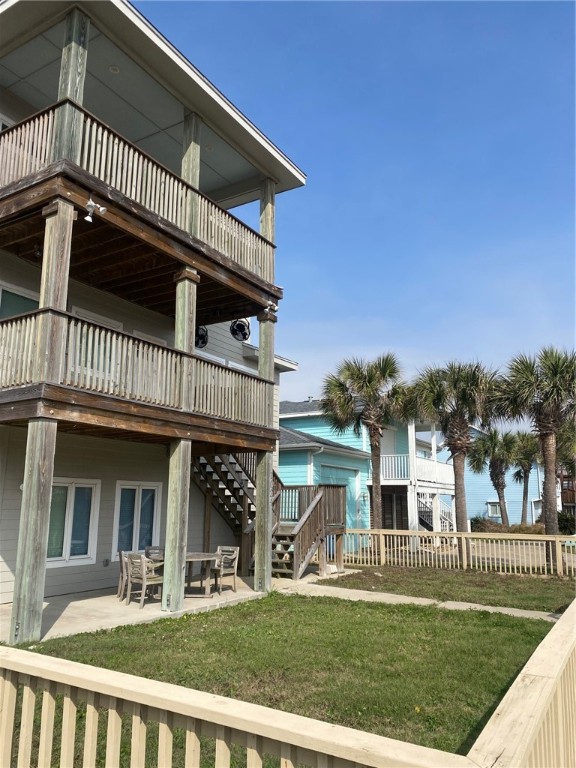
{"x": 397, "y": 467}
{"x": 109, "y": 362}
{"x": 34, "y": 144}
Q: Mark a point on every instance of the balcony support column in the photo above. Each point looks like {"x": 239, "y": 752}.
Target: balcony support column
{"x": 412, "y": 481}
{"x": 190, "y": 170}
{"x": 264, "y": 463}
{"x": 30, "y": 574}
{"x": 71, "y": 86}
{"x": 51, "y": 340}
{"x": 436, "y": 523}
{"x": 180, "y": 451}
{"x": 268, "y": 210}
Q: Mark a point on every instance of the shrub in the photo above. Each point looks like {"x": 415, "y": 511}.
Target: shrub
{"x": 567, "y": 522}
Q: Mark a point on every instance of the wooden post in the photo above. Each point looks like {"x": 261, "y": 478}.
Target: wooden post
{"x": 267, "y": 210}
{"x": 207, "y": 519}
{"x": 29, "y": 578}
{"x": 180, "y": 452}
{"x": 71, "y": 86}
{"x": 264, "y": 464}
{"x": 559, "y": 563}
{"x": 436, "y": 523}
{"x": 176, "y": 525}
{"x": 245, "y": 539}
{"x": 190, "y": 170}
{"x": 340, "y": 552}
{"x": 322, "y": 569}
{"x": 51, "y": 334}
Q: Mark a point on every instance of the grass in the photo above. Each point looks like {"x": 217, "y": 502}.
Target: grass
{"x": 418, "y": 674}
{"x": 533, "y": 593}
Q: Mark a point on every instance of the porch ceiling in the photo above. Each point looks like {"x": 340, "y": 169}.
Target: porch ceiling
{"x": 112, "y": 260}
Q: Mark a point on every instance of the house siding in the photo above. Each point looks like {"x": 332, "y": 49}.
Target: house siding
{"x": 293, "y": 467}
{"x": 108, "y": 461}
{"x": 479, "y": 491}
{"x": 317, "y": 426}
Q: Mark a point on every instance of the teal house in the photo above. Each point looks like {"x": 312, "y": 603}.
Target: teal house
{"x": 417, "y": 485}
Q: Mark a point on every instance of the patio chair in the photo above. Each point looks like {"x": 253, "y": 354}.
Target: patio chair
{"x": 142, "y": 571}
{"x": 123, "y": 574}
{"x": 226, "y": 564}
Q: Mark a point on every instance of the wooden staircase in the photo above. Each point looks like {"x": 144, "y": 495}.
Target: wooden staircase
{"x": 303, "y": 515}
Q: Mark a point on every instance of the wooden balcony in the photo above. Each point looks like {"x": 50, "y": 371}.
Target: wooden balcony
{"x": 126, "y": 370}
{"x": 65, "y": 131}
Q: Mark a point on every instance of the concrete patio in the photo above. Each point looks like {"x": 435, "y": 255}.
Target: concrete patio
{"x": 90, "y": 611}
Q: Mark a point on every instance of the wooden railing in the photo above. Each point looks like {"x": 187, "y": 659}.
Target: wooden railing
{"x": 109, "y": 362}
{"x": 32, "y": 145}
{"x": 18, "y": 350}
{"x": 130, "y": 720}
{"x": 498, "y": 553}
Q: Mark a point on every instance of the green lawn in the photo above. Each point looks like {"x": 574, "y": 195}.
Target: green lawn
{"x": 534, "y": 593}
{"x": 422, "y": 675}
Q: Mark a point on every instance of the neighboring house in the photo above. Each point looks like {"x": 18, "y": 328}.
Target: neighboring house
{"x": 482, "y": 500}
{"x": 309, "y": 460}
{"x": 417, "y": 486}
{"x": 119, "y": 162}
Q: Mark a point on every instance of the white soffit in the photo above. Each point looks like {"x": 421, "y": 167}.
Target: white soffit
{"x": 119, "y": 20}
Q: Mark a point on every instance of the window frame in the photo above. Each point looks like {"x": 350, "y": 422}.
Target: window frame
{"x": 67, "y": 560}
{"x": 493, "y": 505}
{"x": 25, "y": 293}
{"x": 138, "y": 485}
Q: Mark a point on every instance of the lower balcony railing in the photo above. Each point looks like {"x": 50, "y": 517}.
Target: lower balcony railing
{"x": 397, "y": 467}
{"x": 34, "y": 144}
{"x": 108, "y": 362}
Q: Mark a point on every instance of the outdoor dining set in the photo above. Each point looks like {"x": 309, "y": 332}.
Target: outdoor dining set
{"x": 143, "y": 572}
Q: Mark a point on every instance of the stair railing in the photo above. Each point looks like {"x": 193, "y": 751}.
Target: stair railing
{"x": 307, "y": 534}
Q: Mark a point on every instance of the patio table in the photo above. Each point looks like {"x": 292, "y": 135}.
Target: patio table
{"x": 195, "y": 557}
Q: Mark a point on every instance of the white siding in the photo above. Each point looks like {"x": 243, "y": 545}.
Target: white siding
{"x": 13, "y": 107}
{"x": 92, "y": 458}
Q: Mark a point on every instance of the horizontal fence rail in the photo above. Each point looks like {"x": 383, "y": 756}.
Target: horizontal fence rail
{"x": 101, "y": 360}
{"x": 34, "y": 144}
{"x": 497, "y": 553}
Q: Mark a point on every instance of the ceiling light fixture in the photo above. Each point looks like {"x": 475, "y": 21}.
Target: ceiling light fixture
{"x": 113, "y": 69}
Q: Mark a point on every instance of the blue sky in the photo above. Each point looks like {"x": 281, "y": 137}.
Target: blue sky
{"x": 438, "y": 140}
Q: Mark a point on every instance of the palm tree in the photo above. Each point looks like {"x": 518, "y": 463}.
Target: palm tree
{"x": 542, "y": 388}
{"x": 527, "y": 453}
{"x": 496, "y": 451}
{"x": 455, "y": 397}
{"x": 364, "y": 393}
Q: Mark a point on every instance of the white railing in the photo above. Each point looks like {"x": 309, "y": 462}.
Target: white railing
{"x": 394, "y": 466}
{"x": 30, "y": 146}
{"x": 51, "y": 706}
{"x": 434, "y": 471}
{"x": 498, "y": 553}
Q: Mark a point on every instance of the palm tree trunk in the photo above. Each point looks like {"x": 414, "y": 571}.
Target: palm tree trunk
{"x": 376, "y": 487}
{"x": 526, "y": 481}
{"x": 503, "y": 507}
{"x": 459, "y": 462}
{"x": 549, "y": 513}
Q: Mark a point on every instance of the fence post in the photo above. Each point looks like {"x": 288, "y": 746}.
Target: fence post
{"x": 464, "y": 550}
{"x": 559, "y": 564}
{"x": 381, "y": 548}
{"x": 340, "y": 553}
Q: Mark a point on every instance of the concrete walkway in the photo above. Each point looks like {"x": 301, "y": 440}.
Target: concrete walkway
{"x": 308, "y": 586}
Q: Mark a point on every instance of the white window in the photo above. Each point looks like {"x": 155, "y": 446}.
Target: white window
{"x": 136, "y": 517}
{"x": 493, "y": 508}
{"x": 16, "y": 301}
{"x": 73, "y": 523}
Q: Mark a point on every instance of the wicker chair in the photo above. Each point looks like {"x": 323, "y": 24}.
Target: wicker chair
{"x": 226, "y": 564}
{"x": 142, "y": 571}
